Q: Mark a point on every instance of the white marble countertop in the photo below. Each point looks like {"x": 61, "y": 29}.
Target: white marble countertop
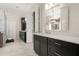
{"x": 72, "y": 39}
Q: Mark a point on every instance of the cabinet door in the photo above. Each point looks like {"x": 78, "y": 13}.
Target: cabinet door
{"x": 40, "y": 45}
{"x": 23, "y": 36}
{"x": 43, "y": 48}
{"x": 51, "y": 48}
{"x": 37, "y": 44}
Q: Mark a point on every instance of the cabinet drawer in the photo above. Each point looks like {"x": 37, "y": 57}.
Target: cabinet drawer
{"x": 64, "y": 43}
{"x": 61, "y": 47}
{"x": 54, "y": 54}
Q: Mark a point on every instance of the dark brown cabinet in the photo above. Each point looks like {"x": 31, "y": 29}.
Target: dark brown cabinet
{"x": 40, "y": 45}
{"x": 22, "y": 35}
{"x": 44, "y": 46}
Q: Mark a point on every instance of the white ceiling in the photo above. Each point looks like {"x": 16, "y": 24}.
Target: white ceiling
{"x": 19, "y": 7}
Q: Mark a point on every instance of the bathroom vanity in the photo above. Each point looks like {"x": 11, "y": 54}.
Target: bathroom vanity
{"x": 56, "y": 45}
{"x": 22, "y": 35}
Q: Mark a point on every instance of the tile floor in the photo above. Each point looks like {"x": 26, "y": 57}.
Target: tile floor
{"x": 17, "y": 48}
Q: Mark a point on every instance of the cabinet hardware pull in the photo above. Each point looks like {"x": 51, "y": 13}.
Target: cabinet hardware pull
{"x": 57, "y": 54}
{"x": 57, "y": 43}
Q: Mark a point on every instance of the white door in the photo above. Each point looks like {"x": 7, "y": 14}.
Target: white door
{"x": 11, "y": 28}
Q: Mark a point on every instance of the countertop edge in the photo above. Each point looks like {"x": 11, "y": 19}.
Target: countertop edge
{"x": 71, "y": 39}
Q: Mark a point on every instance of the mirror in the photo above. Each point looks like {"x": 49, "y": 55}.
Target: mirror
{"x": 56, "y": 17}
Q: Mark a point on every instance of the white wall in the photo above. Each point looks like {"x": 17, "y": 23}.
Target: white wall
{"x": 74, "y": 18}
